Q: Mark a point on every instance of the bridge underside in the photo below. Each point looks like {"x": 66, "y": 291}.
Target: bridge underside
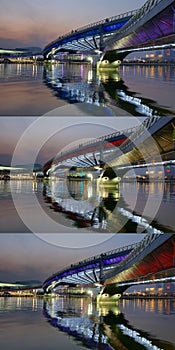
{"x": 159, "y": 262}
{"x": 154, "y": 148}
{"x": 158, "y": 147}
{"x": 88, "y": 39}
{"x": 120, "y": 288}
{"x": 147, "y": 33}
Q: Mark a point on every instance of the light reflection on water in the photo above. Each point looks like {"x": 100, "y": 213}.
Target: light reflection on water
{"x": 20, "y": 186}
{"x": 107, "y": 208}
{"x": 86, "y": 204}
{"x": 121, "y": 326}
{"x": 147, "y": 89}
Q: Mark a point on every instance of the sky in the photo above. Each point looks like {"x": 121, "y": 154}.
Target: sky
{"x": 29, "y": 257}
{"x": 40, "y": 139}
{"x": 26, "y": 23}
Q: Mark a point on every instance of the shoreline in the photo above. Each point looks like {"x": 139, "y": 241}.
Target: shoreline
{"x": 156, "y": 64}
{"x": 123, "y": 297}
{"x": 124, "y": 63}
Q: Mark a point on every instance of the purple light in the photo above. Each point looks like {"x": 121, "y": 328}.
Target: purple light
{"x": 156, "y": 28}
{"x": 92, "y": 265}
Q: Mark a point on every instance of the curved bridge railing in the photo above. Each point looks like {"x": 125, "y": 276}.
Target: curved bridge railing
{"x": 112, "y": 257}
{"x": 97, "y": 26}
{"x": 144, "y": 10}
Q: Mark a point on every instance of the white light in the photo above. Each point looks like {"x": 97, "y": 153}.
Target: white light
{"x": 138, "y": 338}
{"x": 90, "y": 59}
{"x": 139, "y": 220}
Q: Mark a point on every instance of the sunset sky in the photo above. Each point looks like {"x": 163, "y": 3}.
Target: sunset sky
{"x": 26, "y": 256}
{"x": 37, "y": 22}
{"x": 43, "y": 138}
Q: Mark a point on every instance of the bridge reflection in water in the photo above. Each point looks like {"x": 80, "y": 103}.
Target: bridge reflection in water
{"x": 87, "y": 204}
{"x": 103, "y": 327}
{"x": 83, "y": 85}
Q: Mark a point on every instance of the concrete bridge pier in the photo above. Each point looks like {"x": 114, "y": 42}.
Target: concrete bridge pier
{"x": 108, "y": 294}
{"x": 111, "y": 59}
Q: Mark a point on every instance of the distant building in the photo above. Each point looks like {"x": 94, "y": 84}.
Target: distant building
{"x": 163, "y": 289}
{"x": 164, "y": 55}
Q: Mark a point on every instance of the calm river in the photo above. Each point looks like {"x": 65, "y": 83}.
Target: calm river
{"x": 83, "y": 206}
{"x": 77, "y": 323}
{"x": 38, "y": 89}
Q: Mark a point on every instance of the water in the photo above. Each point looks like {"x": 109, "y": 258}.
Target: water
{"x": 77, "y": 323}
{"x": 85, "y": 206}
{"x": 37, "y": 89}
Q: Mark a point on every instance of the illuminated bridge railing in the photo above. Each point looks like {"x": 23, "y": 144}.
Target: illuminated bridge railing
{"x": 95, "y": 25}
{"x": 92, "y": 262}
{"x": 137, "y": 250}
{"x": 100, "y": 140}
{"x": 110, "y": 19}
{"x": 144, "y": 10}
{"x": 93, "y": 142}
{"x": 140, "y": 130}
{"x": 134, "y": 132}
{"x": 108, "y": 137}
{"x": 111, "y": 252}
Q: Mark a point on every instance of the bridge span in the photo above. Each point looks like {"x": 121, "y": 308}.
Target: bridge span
{"x": 150, "y": 260}
{"x": 111, "y": 40}
{"x": 89, "y": 38}
{"x": 152, "y": 27}
{"x": 113, "y": 155}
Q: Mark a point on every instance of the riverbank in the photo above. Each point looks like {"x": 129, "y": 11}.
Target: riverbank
{"x": 148, "y": 297}
{"x": 156, "y": 64}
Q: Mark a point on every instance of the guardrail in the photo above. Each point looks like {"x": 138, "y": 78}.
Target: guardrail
{"x": 134, "y": 132}
{"x": 91, "y": 259}
{"x": 99, "y": 140}
{"x": 95, "y": 24}
{"x": 148, "y": 122}
{"x": 106, "y": 20}
{"x": 145, "y": 9}
{"x": 142, "y": 245}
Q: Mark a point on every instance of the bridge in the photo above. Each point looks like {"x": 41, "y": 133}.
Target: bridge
{"x": 88, "y": 38}
{"x": 111, "y": 40}
{"x": 150, "y": 260}
{"x": 152, "y": 27}
{"x": 113, "y": 155}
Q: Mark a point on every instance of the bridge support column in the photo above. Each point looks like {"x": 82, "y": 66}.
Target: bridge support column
{"x": 96, "y": 60}
{"x": 108, "y": 295}
{"x": 101, "y": 40}
{"x": 112, "y": 59}
{"x": 101, "y": 153}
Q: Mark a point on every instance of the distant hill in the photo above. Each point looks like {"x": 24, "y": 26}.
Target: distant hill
{"x": 30, "y": 166}
{"x": 30, "y": 282}
{"x": 30, "y": 48}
